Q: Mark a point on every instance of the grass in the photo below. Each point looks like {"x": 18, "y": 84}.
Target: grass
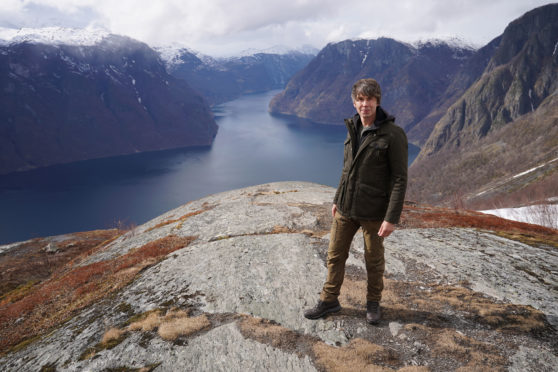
{"x": 423, "y": 309}
{"x": 17, "y": 293}
{"x": 56, "y": 300}
{"x": 178, "y": 326}
{"x": 358, "y": 355}
{"x": 28, "y": 264}
{"x": 170, "y": 326}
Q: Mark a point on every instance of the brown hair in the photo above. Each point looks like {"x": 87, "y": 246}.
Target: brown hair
{"x": 368, "y": 88}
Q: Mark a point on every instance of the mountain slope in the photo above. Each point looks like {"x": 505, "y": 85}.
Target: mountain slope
{"x": 486, "y": 175}
{"x": 221, "y": 283}
{"x": 412, "y": 79}
{"x": 522, "y": 72}
{"x": 471, "y": 69}
{"x": 63, "y": 103}
{"x": 475, "y": 143}
{"x": 224, "y": 79}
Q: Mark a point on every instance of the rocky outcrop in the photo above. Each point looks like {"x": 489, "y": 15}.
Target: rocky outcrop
{"x": 61, "y": 103}
{"x": 220, "y": 284}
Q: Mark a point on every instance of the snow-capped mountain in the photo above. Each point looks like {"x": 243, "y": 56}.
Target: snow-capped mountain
{"x": 223, "y": 79}
{"x": 52, "y": 36}
{"x": 71, "y": 95}
{"x": 413, "y": 79}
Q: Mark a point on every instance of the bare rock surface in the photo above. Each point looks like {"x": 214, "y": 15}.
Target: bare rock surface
{"x": 232, "y": 300}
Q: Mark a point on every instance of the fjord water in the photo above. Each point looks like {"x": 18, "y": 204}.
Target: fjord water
{"x": 252, "y": 147}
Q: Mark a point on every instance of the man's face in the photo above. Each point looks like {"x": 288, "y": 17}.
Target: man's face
{"x": 365, "y": 106}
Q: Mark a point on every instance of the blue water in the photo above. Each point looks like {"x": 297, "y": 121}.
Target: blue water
{"x": 252, "y": 147}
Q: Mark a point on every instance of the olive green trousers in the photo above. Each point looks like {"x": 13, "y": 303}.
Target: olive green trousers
{"x": 343, "y": 230}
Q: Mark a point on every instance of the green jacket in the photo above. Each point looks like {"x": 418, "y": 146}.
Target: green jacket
{"x": 374, "y": 177}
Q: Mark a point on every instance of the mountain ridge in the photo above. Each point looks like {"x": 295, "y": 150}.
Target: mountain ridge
{"x": 63, "y": 103}
{"x": 223, "y": 79}
{"x": 412, "y": 78}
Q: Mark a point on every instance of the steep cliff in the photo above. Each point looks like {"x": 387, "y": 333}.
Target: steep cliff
{"x": 220, "y": 284}
{"x": 521, "y": 74}
{"x": 68, "y": 102}
{"x": 504, "y": 123}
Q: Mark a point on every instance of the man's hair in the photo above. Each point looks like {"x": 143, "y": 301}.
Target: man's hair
{"x": 368, "y": 88}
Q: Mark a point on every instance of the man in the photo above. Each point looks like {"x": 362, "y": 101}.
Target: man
{"x": 370, "y": 196}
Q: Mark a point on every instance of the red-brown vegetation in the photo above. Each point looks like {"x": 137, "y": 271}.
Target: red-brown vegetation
{"x": 434, "y": 217}
{"x": 29, "y": 263}
{"x": 52, "y": 302}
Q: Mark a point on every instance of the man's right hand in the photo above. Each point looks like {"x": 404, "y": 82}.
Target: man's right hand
{"x": 333, "y": 210}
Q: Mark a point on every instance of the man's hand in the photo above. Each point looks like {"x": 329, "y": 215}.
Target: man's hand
{"x": 333, "y": 210}
{"x": 386, "y": 229}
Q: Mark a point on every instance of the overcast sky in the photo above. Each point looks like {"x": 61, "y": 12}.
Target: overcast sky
{"x": 227, "y": 27}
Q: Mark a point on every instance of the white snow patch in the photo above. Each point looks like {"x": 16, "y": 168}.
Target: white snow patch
{"x": 452, "y": 42}
{"x": 541, "y": 214}
{"x": 170, "y": 54}
{"x": 364, "y": 59}
{"x": 533, "y": 169}
{"x": 52, "y": 35}
{"x": 555, "y": 48}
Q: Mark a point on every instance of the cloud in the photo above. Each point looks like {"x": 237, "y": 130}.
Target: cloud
{"x": 31, "y": 14}
{"x": 225, "y": 26}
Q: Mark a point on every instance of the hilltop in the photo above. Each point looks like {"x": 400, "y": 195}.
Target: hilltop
{"x": 220, "y": 284}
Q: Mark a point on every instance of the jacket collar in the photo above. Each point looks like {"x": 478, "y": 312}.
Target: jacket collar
{"x": 382, "y": 117}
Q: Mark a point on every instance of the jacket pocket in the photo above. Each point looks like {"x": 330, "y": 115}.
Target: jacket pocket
{"x": 381, "y": 150}
{"x": 371, "y": 203}
{"x": 368, "y": 191}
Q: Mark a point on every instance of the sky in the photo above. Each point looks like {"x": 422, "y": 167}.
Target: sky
{"x": 229, "y": 27}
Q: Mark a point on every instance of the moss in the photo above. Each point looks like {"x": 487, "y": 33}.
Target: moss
{"x": 147, "y": 368}
{"x": 24, "y": 344}
{"x": 50, "y": 367}
{"x": 125, "y": 308}
{"x": 535, "y": 240}
{"x": 139, "y": 317}
{"x": 19, "y": 292}
{"x": 91, "y": 351}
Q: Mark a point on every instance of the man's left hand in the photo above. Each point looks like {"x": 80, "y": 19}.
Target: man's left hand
{"x": 386, "y": 229}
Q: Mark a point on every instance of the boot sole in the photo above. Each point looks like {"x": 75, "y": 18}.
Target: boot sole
{"x": 373, "y": 322}
{"x": 324, "y": 313}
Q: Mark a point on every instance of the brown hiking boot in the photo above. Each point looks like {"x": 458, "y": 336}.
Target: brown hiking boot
{"x": 373, "y": 312}
{"x": 322, "y": 308}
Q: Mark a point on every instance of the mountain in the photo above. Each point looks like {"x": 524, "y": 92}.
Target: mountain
{"x": 68, "y": 99}
{"x": 471, "y": 69}
{"x": 413, "y": 78}
{"x": 224, "y": 79}
{"x": 190, "y": 290}
{"x": 504, "y": 123}
{"x": 519, "y": 76}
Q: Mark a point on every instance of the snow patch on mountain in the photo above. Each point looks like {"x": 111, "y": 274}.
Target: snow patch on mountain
{"x": 540, "y": 214}
{"x": 452, "y": 42}
{"x": 280, "y": 49}
{"x": 52, "y": 35}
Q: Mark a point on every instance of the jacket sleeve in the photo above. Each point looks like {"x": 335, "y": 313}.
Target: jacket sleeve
{"x": 343, "y": 171}
{"x": 398, "y": 159}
